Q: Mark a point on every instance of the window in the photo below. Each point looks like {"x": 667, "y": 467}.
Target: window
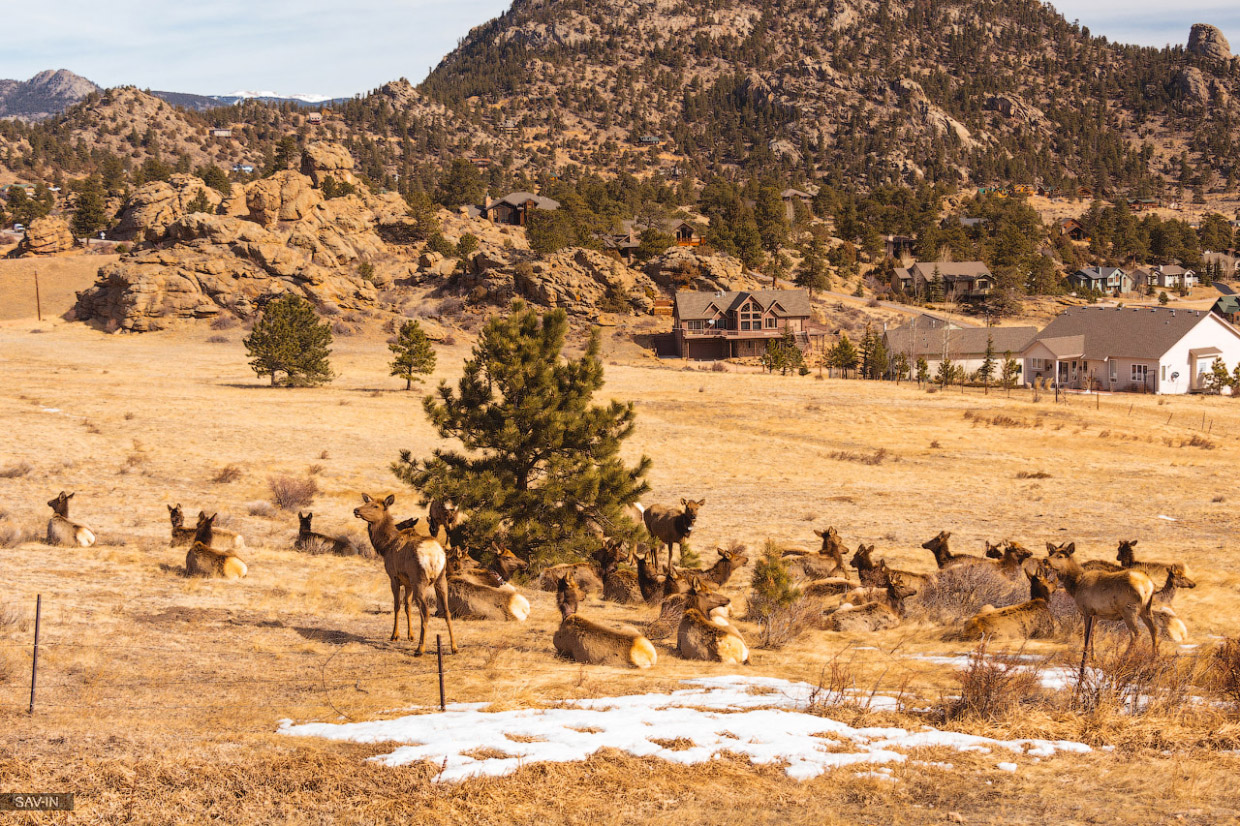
{"x": 694, "y": 325}
{"x": 750, "y": 316}
{"x": 1139, "y": 372}
{"x": 770, "y": 322}
{"x": 1164, "y": 372}
{"x": 1114, "y": 370}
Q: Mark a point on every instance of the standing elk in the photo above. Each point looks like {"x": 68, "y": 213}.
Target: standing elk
{"x": 1175, "y": 580}
{"x": 443, "y": 514}
{"x": 1010, "y": 557}
{"x": 670, "y": 525}
{"x": 308, "y": 540}
{"x": 1109, "y": 595}
{"x": 204, "y": 560}
{"x": 703, "y": 637}
{"x": 60, "y": 531}
{"x": 413, "y": 563}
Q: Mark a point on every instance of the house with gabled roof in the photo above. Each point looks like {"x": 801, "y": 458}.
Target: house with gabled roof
{"x": 1106, "y": 280}
{"x": 739, "y": 323}
{"x": 1136, "y": 349}
{"x": 961, "y": 280}
{"x": 514, "y": 208}
{"x": 933, "y": 340}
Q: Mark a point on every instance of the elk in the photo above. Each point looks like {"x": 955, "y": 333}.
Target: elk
{"x": 203, "y": 560}
{"x": 1169, "y": 623}
{"x": 221, "y": 540}
{"x": 1176, "y": 579}
{"x": 943, "y": 555}
{"x": 619, "y": 585}
{"x": 871, "y": 574}
{"x": 181, "y": 535}
{"x": 506, "y": 564}
{"x": 648, "y": 580}
{"x": 700, "y": 637}
{"x": 729, "y": 562}
{"x": 1026, "y": 620}
{"x": 878, "y": 614}
{"x": 1089, "y": 564}
{"x": 471, "y": 599}
{"x": 60, "y": 531}
{"x": 1155, "y": 570}
{"x": 307, "y": 539}
{"x": 443, "y": 514}
{"x": 827, "y": 562}
{"x": 413, "y": 563}
{"x": 1109, "y": 595}
{"x": 589, "y": 642}
{"x": 1010, "y": 558}
{"x": 670, "y": 525}
{"x": 584, "y": 573}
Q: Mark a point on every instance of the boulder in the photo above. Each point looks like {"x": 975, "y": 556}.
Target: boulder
{"x": 323, "y": 159}
{"x": 45, "y": 236}
{"x": 1191, "y": 84}
{"x": 585, "y": 282}
{"x": 155, "y": 206}
{"x": 691, "y": 268}
{"x": 1208, "y": 42}
{"x": 285, "y": 196}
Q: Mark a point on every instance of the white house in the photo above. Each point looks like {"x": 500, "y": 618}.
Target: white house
{"x": 1140, "y": 349}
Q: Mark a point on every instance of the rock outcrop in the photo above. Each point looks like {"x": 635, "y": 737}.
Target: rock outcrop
{"x": 690, "y": 268}
{"x": 1208, "y": 42}
{"x": 321, "y": 160}
{"x": 285, "y": 196}
{"x": 155, "y": 206}
{"x": 45, "y": 236}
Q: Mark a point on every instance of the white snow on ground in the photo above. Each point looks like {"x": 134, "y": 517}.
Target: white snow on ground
{"x": 757, "y": 717}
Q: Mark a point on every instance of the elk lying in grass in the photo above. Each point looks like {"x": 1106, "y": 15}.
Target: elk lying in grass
{"x": 204, "y": 560}
{"x": 181, "y": 535}
{"x": 870, "y": 574}
{"x": 1169, "y": 623}
{"x": 702, "y": 637}
{"x": 1154, "y": 570}
{"x": 308, "y": 540}
{"x": 589, "y": 642}
{"x": 61, "y": 531}
{"x": 729, "y": 563}
{"x": 506, "y": 564}
{"x": 943, "y": 556}
{"x": 585, "y": 574}
{"x": 671, "y": 526}
{"x": 413, "y": 563}
{"x": 222, "y": 540}
{"x": 828, "y": 562}
{"x": 1026, "y": 620}
{"x": 648, "y": 580}
{"x": 1176, "y": 579}
{"x": 619, "y": 585}
{"x": 1010, "y": 557}
{"x": 875, "y": 615}
{"x": 470, "y": 599}
{"x": 1108, "y": 595}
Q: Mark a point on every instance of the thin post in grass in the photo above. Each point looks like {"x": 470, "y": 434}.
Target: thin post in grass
{"x": 34, "y": 666}
{"x": 439, "y": 654}
{"x": 38, "y": 303}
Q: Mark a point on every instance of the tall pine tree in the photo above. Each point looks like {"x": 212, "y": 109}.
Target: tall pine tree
{"x": 540, "y": 464}
{"x": 414, "y": 355}
{"x": 289, "y": 339}
{"x": 987, "y": 371}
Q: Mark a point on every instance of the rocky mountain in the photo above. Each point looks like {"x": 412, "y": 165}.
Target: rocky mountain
{"x": 44, "y": 95}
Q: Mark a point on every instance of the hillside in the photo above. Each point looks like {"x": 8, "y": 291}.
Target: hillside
{"x": 44, "y": 95}
{"x": 857, "y": 91}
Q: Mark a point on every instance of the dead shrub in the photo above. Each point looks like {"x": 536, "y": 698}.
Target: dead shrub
{"x": 957, "y": 593}
{"x": 1033, "y": 474}
{"x": 261, "y": 508}
{"x": 16, "y": 471}
{"x": 1225, "y": 670}
{"x": 227, "y": 474}
{"x": 875, "y": 458}
{"x": 993, "y": 687}
{"x": 219, "y": 340}
{"x": 1130, "y": 682}
{"x": 451, "y": 307}
{"x": 291, "y": 493}
{"x": 719, "y": 367}
{"x": 224, "y": 322}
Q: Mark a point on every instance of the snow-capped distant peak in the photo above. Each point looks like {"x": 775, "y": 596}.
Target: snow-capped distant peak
{"x": 267, "y": 94}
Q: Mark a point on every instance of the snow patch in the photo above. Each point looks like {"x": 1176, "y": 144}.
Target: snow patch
{"x": 757, "y": 717}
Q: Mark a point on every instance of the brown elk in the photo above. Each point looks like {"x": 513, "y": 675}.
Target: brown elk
{"x": 878, "y": 614}
{"x": 648, "y": 580}
{"x": 506, "y": 564}
{"x": 619, "y": 584}
{"x": 1169, "y": 623}
{"x": 443, "y": 514}
{"x": 670, "y": 525}
{"x": 828, "y": 562}
{"x": 413, "y": 563}
{"x": 1089, "y": 564}
{"x": 1109, "y": 595}
{"x": 1155, "y": 570}
{"x": 729, "y": 563}
{"x": 586, "y": 575}
{"x": 1175, "y": 580}
{"x": 203, "y": 560}
{"x": 701, "y": 637}
{"x": 1026, "y": 620}
{"x": 589, "y": 642}
{"x": 470, "y": 599}
{"x": 61, "y": 531}
{"x": 871, "y": 575}
{"x": 943, "y": 555}
{"x": 181, "y": 535}
{"x": 222, "y": 540}
{"x": 1010, "y": 557}
{"x": 308, "y": 540}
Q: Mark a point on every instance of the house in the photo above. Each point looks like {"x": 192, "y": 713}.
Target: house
{"x": 1084, "y": 193}
{"x": 790, "y": 197}
{"x": 1106, "y": 280}
{"x": 314, "y": 118}
{"x": 1228, "y": 306}
{"x": 1073, "y": 229}
{"x": 481, "y": 163}
{"x": 961, "y": 280}
{"x": 965, "y": 221}
{"x": 221, "y": 133}
{"x": 685, "y": 233}
{"x": 1227, "y": 262}
{"x": 1137, "y": 349}
{"x": 650, "y": 140}
{"x": 1172, "y": 276}
{"x": 507, "y": 125}
{"x": 513, "y": 208}
{"x": 1142, "y": 279}
{"x": 963, "y": 346}
{"x": 736, "y": 324}
{"x": 1143, "y": 204}
{"x": 243, "y": 168}
{"x": 900, "y": 246}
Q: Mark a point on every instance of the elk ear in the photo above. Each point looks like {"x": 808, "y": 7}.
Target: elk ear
{"x": 822, "y": 534}
{"x": 390, "y": 500}
{"x": 684, "y": 502}
{"x": 212, "y": 519}
{"x": 1070, "y": 548}
{"x": 1050, "y": 547}
{"x": 701, "y": 502}
{"x": 171, "y": 509}
{"x": 1132, "y": 543}
{"x": 202, "y": 514}
{"x": 366, "y": 498}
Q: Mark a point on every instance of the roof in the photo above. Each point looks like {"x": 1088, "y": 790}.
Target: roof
{"x": 960, "y": 341}
{"x": 794, "y": 193}
{"x": 692, "y": 304}
{"x": 1173, "y": 269}
{"x": 1098, "y": 273}
{"x": 1130, "y": 332}
{"x": 1228, "y": 304}
{"x": 950, "y": 270}
{"x": 518, "y": 199}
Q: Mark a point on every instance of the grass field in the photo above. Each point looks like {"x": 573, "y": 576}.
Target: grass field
{"x": 160, "y": 696}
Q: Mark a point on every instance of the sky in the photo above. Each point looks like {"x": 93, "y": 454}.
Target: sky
{"x": 338, "y": 48}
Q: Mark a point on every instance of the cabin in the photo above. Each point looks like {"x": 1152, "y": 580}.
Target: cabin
{"x": 1131, "y": 349}
{"x": 791, "y": 197}
{"x": 650, "y": 140}
{"x": 514, "y": 208}
{"x": 1143, "y": 204}
{"x": 1073, "y": 229}
{"x": 507, "y": 125}
{"x": 1106, "y": 280}
{"x": 900, "y": 247}
{"x": 738, "y": 324}
{"x": 963, "y": 346}
{"x": 961, "y": 280}
{"x": 314, "y": 118}
{"x": 243, "y": 168}
{"x": 221, "y": 133}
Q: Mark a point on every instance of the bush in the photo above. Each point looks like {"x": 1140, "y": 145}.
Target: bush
{"x": 261, "y": 508}
{"x": 11, "y": 536}
{"x": 992, "y": 689}
{"x": 16, "y": 471}
{"x": 289, "y": 493}
{"x": 224, "y": 322}
{"x": 1226, "y": 669}
{"x": 218, "y": 340}
{"x": 228, "y": 473}
{"x": 957, "y": 593}
{"x": 776, "y": 603}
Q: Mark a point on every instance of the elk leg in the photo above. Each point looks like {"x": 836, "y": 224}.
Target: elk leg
{"x": 408, "y": 621}
{"x": 1089, "y": 627}
{"x": 441, "y": 592}
{"x": 1149, "y": 623}
{"x": 395, "y": 610}
{"x": 424, "y": 614}
{"x": 1134, "y": 633}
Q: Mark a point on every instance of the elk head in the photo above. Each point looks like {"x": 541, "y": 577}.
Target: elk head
{"x": 61, "y": 504}
{"x": 1125, "y": 555}
{"x": 176, "y": 515}
{"x": 374, "y": 510}
{"x": 690, "y": 513}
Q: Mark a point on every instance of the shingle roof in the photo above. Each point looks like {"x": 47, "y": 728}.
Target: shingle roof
{"x": 1227, "y": 304}
{"x": 950, "y": 270}
{"x": 961, "y": 341}
{"x": 1129, "y": 332}
{"x": 517, "y": 199}
{"x": 1098, "y": 273}
{"x": 694, "y": 305}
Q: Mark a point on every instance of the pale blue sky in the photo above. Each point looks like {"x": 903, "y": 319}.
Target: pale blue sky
{"x": 342, "y": 47}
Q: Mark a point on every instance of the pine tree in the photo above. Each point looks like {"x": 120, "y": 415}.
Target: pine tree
{"x": 1011, "y": 369}
{"x": 540, "y": 464}
{"x": 923, "y": 371}
{"x": 462, "y": 184}
{"x": 880, "y": 362}
{"x": 843, "y": 355}
{"x": 946, "y": 373}
{"x": 1235, "y": 381}
{"x": 414, "y": 355}
{"x": 289, "y": 339}
{"x": 1218, "y": 377}
{"x": 899, "y": 366}
{"x": 987, "y": 371}
{"x": 90, "y": 211}
{"x": 867, "y": 353}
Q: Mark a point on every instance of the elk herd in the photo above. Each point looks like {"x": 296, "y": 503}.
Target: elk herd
{"x": 426, "y": 569}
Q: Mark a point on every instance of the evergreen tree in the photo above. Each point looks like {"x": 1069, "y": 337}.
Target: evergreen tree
{"x": 289, "y": 339}
{"x": 548, "y": 230}
{"x": 414, "y": 355}
{"x": 771, "y": 218}
{"x": 1218, "y": 377}
{"x": 288, "y": 153}
{"x": 946, "y": 373}
{"x": 540, "y": 464}
{"x": 90, "y": 210}
{"x": 461, "y": 185}
{"x": 987, "y": 371}
{"x": 1011, "y": 369}
{"x": 935, "y": 290}
{"x": 867, "y": 353}
{"x": 843, "y": 355}
{"x": 1235, "y": 381}
{"x": 899, "y": 367}
{"x": 880, "y": 361}
{"x": 923, "y": 371}
{"x": 199, "y": 203}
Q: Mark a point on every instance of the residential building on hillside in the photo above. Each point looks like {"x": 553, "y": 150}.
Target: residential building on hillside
{"x": 1107, "y": 280}
{"x": 960, "y": 280}
{"x": 514, "y": 208}
{"x": 1073, "y": 229}
{"x": 720, "y": 325}
{"x": 963, "y": 346}
{"x": 1140, "y": 349}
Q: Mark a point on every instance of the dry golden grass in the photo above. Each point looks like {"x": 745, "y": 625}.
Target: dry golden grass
{"x": 159, "y": 695}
